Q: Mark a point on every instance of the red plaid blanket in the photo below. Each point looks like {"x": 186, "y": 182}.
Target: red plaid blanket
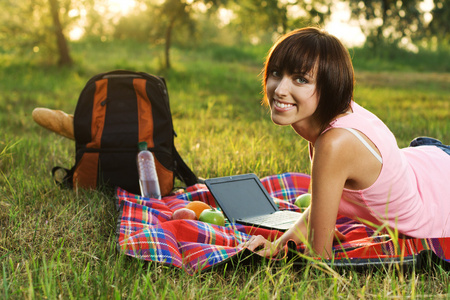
{"x": 145, "y": 231}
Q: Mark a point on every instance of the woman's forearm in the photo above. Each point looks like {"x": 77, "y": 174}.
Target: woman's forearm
{"x": 297, "y": 233}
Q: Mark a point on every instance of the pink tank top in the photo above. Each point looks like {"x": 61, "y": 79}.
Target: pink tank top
{"x": 412, "y": 192}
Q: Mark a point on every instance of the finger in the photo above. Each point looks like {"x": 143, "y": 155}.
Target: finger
{"x": 268, "y": 252}
{"x": 255, "y": 245}
{"x": 338, "y": 235}
{"x": 256, "y": 242}
{"x": 248, "y": 242}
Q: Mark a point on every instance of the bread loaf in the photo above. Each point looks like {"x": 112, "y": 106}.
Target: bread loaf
{"x": 54, "y": 120}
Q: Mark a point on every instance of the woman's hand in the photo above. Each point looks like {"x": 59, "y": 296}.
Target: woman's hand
{"x": 261, "y": 246}
{"x": 266, "y": 248}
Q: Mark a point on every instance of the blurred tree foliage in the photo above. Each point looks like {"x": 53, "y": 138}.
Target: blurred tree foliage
{"x": 31, "y": 28}
{"x": 163, "y": 22}
{"x": 388, "y": 21}
{"x": 252, "y": 20}
{"x": 24, "y": 26}
{"x": 262, "y": 20}
{"x": 438, "y": 31}
{"x": 401, "y": 21}
{"x": 178, "y": 13}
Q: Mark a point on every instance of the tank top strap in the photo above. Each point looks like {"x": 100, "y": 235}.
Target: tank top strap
{"x": 356, "y": 133}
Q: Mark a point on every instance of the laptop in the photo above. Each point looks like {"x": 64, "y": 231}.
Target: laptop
{"x": 244, "y": 200}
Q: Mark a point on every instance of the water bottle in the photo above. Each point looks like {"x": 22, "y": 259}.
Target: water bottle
{"x": 148, "y": 179}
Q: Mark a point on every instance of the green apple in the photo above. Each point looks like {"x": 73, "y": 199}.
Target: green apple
{"x": 212, "y": 216}
{"x": 303, "y": 201}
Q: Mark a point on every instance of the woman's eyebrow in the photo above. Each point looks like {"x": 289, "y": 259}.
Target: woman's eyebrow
{"x": 309, "y": 74}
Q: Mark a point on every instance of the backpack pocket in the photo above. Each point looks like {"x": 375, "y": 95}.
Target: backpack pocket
{"x": 116, "y": 168}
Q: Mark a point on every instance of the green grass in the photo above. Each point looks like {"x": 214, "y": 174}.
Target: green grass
{"x": 58, "y": 243}
{"x": 390, "y": 57}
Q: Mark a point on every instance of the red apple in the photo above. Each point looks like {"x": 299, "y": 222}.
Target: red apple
{"x": 184, "y": 213}
{"x": 212, "y": 216}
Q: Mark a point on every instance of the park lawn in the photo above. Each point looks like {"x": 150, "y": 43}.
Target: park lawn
{"x": 59, "y": 243}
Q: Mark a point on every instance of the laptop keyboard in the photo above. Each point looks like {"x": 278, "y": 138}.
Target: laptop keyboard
{"x": 279, "y": 217}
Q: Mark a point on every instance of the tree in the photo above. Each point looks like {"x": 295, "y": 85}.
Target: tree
{"x": 63, "y": 49}
{"x": 258, "y": 18}
{"x": 439, "y": 26}
{"x": 179, "y": 12}
{"x": 36, "y": 27}
{"x": 175, "y": 11}
{"x": 19, "y": 25}
{"x": 388, "y": 20}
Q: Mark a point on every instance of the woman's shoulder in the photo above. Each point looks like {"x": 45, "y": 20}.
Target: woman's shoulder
{"x": 334, "y": 137}
{"x": 337, "y": 149}
{"x": 335, "y": 142}
{"x": 333, "y": 158}
{"x": 372, "y": 128}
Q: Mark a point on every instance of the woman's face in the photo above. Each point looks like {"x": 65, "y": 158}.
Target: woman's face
{"x": 292, "y": 99}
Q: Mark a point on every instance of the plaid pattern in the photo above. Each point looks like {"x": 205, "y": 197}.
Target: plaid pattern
{"x": 145, "y": 231}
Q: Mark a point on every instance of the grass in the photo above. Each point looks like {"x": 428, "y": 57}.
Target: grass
{"x": 60, "y": 244}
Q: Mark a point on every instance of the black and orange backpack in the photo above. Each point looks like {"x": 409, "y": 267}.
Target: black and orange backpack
{"x": 115, "y": 111}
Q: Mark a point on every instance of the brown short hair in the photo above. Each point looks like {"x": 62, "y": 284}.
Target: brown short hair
{"x": 314, "y": 50}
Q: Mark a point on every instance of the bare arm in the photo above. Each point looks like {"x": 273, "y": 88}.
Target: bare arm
{"x": 297, "y": 233}
{"x": 330, "y": 170}
{"x": 331, "y": 167}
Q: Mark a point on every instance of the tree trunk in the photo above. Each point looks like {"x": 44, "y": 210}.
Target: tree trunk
{"x": 176, "y": 14}
{"x": 169, "y": 41}
{"x": 63, "y": 49}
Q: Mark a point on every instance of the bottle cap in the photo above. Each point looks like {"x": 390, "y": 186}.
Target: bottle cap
{"x": 142, "y": 146}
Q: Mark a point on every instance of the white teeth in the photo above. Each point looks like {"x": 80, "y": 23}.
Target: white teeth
{"x": 282, "y": 105}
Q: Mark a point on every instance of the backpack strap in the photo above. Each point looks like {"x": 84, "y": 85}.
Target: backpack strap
{"x": 183, "y": 172}
{"x": 63, "y": 177}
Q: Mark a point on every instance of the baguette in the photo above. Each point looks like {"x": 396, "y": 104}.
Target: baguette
{"x": 54, "y": 120}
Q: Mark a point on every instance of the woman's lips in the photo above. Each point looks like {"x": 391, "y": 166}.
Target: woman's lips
{"x": 282, "y": 106}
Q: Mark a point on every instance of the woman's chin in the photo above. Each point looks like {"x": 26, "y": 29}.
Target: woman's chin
{"x": 280, "y": 121}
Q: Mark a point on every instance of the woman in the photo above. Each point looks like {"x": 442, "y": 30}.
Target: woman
{"x": 357, "y": 169}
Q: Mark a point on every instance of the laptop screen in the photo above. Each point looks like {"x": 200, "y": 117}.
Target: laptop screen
{"x": 240, "y": 198}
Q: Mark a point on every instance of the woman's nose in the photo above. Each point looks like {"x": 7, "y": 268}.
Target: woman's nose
{"x": 282, "y": 88}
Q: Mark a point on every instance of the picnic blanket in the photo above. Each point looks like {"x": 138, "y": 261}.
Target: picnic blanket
{"x": 145, "y": 231}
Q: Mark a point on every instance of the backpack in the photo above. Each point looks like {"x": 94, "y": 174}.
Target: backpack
{"x": 115, "y": 111}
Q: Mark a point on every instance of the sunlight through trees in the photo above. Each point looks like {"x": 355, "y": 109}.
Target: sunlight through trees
{"x": 42, "y": 27}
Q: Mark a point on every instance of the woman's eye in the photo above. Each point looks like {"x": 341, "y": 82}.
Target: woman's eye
{"x": 301, "y": 80}
{"x": 275, "y": 74}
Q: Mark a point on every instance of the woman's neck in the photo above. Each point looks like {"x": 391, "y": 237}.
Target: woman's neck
{"x": 309, "y": 132}
{"x": 312, "y": 131}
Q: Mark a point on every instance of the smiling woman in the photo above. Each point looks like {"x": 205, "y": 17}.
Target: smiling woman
{"x": 357, "y": 168}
